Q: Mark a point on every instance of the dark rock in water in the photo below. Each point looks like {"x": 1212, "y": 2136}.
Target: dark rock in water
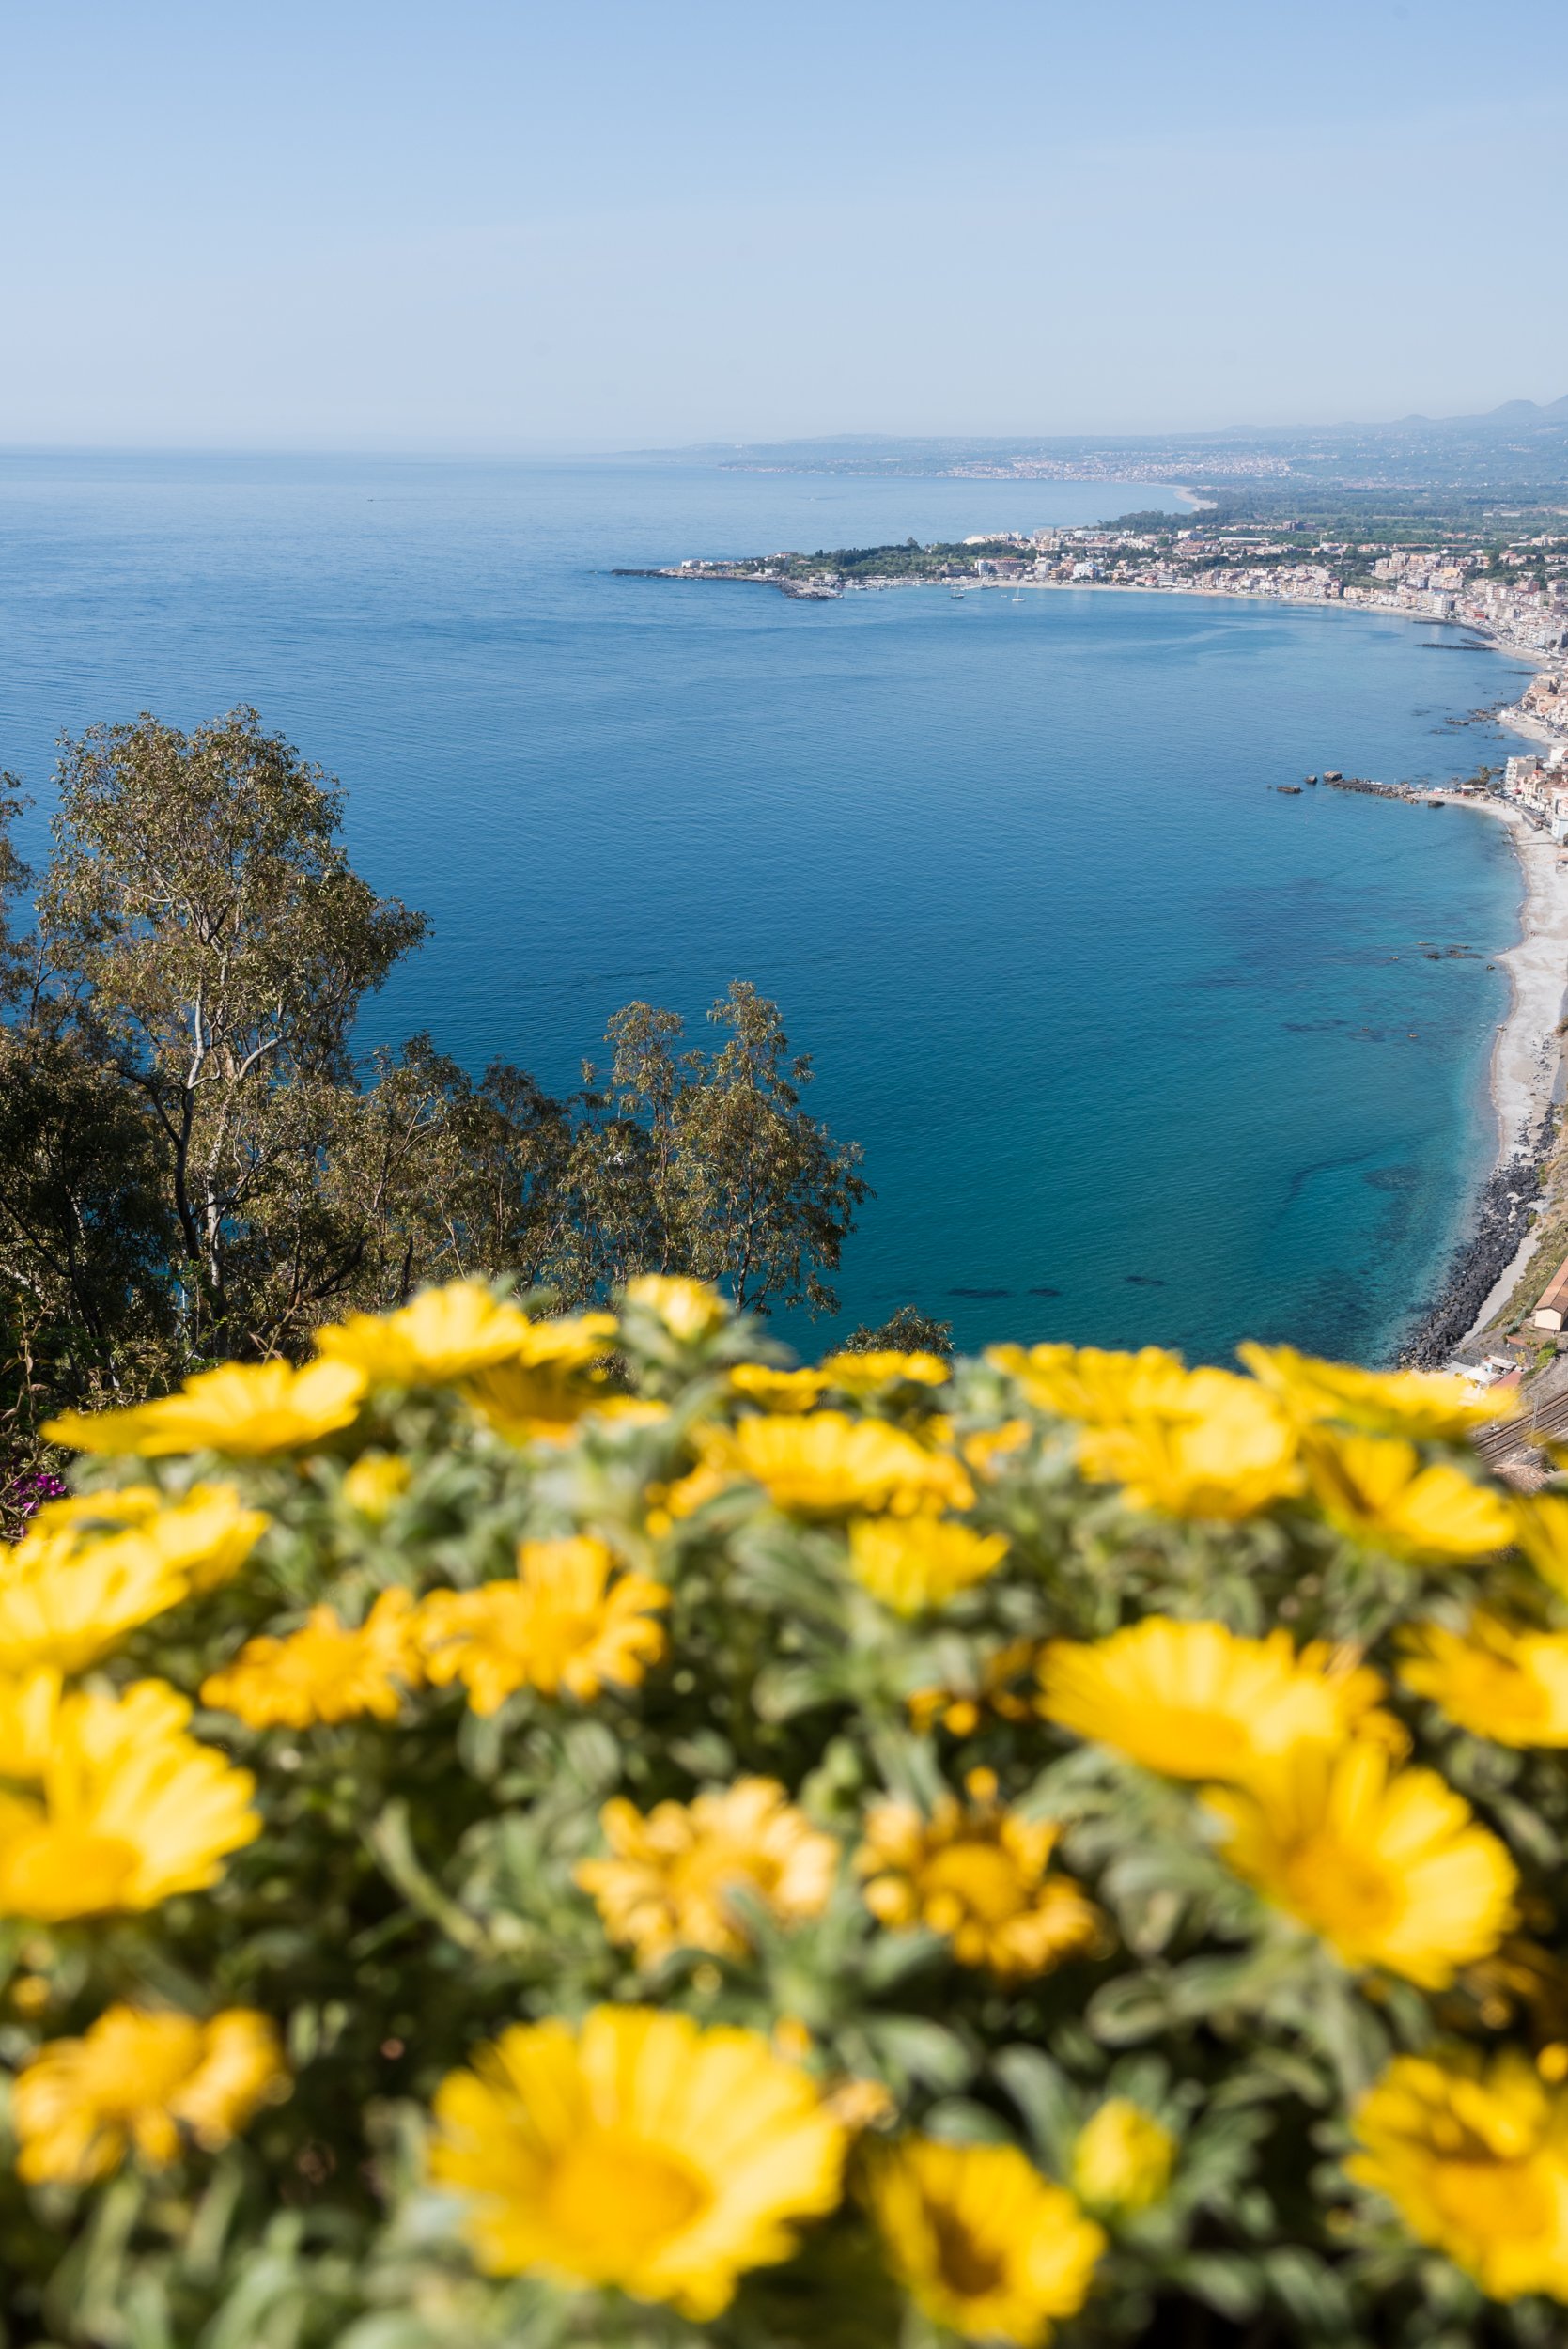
{"x": 979, "y": 1292}
{"x": 1144, "y": 1281}
{"x": 1042, "y": 1292}
{"x": 1475, "y": 1267}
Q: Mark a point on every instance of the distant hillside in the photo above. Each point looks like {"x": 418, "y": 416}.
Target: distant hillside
{"x": 1518, "y": 449}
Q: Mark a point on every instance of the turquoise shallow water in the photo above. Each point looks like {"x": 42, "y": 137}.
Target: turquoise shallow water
{"x": 1138, "y": 1048}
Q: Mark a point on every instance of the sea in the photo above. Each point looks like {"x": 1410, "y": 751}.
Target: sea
{"x": 1139, "y": 1048}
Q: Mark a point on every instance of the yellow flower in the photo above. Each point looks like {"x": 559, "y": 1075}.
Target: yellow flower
{"x": 1473, "y": 2155}
{"x": 962, "y": 1710}
{"x": 669, "y": 1505}
{"x": 1189, "y": 1443}
{"x": 668, "y": 1885}
{"x": 85, "y": 1517}
{"x": 68, "y": 1590}
{"x": 68, "y": 1610}
{"x": 687, "y": 1309}
{"x": 246, "y": 1411}
{"x": 978, "y": 1874}
{"x": 29, "y": 1707}
{"x": 1390, "y": 1868}
{"x": 1087, "y": 1383}
{"x": 1215, "y": 1448}
{"x": 1541, "y": 1530}
{"x": 827, "y": 1465}
{"x": 1423, "y": 1404}
{"x": 777, "y": 1390}
{"x": 1123, "y": 2159}
{"x": 546, "y": 1384}
{"x": 639, "y": 2151}
{"x": 376, "y": 1484}
{"x": 132, "y": 1810}
{"x": 567, "y": 1622}
{"x": 135, "y": 2082}
{"x": 913, "y": 1563}
{"x": 1195, "y": 1700}
{"x": 1221, "y": 1450}
{"x": 984, "y": 2246}
{"x": 1498, "y": 1683}
{"x": 865, "y": 1374}
{"x": 1375, "y": 1490}
{"x": 326, "y": 1672}
{"x": 444, "y": 1335}
{"x": 65, "y": 1598}
{"x": 986, "y": 1451}
{"x": 207, "y": 1538}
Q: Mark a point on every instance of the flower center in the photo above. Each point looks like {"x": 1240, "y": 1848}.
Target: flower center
{"x": 712, "y": 1865}
{"x": 615, "y": 2188}
{"x": 1493, "y": 2198}
{"x": 969, "y": 2269}
{"x": 1331, "y": 1883}
{"x": 980, "y": 1876}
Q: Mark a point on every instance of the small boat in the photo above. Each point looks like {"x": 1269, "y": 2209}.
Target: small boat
{"x": 1017, "y": 599}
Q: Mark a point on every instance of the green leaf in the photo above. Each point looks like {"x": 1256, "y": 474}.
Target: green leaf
{"x": 1043, "y": 2097}
{"x": 959, "y": 2121}
{"x": 927, "y": 2051}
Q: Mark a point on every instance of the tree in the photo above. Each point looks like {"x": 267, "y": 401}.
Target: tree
{"x": 710, "y": 1165}
{"x": 907, "y": 1332}
{"x": 202, "y": 925}
{"x": 447, "y": 1177}
{"x": 193, "y": 1162}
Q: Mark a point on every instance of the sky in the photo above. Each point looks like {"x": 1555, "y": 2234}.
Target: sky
{"x": 471, "y": 226}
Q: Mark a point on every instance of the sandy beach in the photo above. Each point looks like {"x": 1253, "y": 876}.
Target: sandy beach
{"x": 1527, "y": 1058}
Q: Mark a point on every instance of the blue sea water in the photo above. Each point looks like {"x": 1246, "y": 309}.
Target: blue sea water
{"x": 1138, "y": 1048}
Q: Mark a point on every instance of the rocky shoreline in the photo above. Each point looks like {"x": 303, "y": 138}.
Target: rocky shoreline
{"x": 1500, "y": 1220}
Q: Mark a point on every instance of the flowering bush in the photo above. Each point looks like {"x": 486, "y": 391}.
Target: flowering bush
{"x": 569, "y": 1830}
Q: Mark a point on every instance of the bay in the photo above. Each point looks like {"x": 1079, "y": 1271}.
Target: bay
{"x": 1139, "y": 1049}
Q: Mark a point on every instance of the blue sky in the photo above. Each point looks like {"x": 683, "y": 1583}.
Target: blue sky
{"x": 634, "y": 222}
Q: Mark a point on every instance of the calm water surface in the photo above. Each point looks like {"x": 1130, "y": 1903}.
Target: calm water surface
{"x": 1138, "y": 1048}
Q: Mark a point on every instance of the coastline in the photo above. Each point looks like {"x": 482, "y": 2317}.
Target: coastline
{"x": 1526, "y": 1057}
{"x": 1526, "y": 1069}
{"x": 1524, "y": 1082}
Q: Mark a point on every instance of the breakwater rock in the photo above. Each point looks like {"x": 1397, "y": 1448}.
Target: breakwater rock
{"x": 1502, "y": 1218}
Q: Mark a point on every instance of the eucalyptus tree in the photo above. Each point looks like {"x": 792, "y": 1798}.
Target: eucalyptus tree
{"x": 203, "y": 928}
{"x": 708, "y": 1163}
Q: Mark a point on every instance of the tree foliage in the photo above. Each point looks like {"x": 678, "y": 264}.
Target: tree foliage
{"x": 195, "y": 1161}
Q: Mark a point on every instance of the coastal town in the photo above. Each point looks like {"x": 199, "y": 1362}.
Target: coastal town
{"x": 1510, "y": 595}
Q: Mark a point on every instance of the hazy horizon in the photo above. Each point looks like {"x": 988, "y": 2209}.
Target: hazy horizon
{"x": 628, "y": 449}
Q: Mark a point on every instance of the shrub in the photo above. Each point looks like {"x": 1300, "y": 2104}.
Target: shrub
{"x": 507, "y": 1840}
